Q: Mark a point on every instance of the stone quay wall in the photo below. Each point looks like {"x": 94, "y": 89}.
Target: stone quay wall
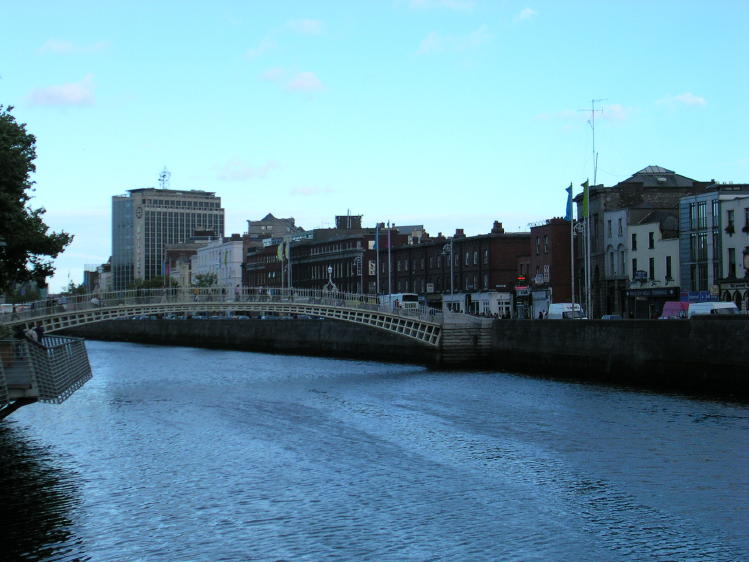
{"x": 296, "y": 337}
{"x": 702, "y": 355}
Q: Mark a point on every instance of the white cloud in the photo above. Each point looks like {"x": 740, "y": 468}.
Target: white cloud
{"x": 436, "y": 43}
{"x": 263, "y": 47}
{"x": 525, "y": 14}
{"x": 615, "y": 112}
{"x": 307, "y": 26}
{"x": 311, "y": 190}
{"x": 688, "y": 99}
{"x": 455, "y": 5}
{"x": 612, "y": 112}
{"x": 274, "y": 74}
{"x": 58, "y": 46}
{"x": 305, "y": 82}
{"x": 239, "y": 170}
{"x": 73, "y": 94}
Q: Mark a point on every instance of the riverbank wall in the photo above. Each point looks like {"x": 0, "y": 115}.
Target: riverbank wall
{"x": 327, "y": 338}
{"x": 702, "y": 355}
{"x": 705, "y": 354}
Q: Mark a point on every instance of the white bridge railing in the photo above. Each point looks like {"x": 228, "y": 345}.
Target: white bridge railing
{"x": 200, "y": 299}
{"x": 49, "y": 371}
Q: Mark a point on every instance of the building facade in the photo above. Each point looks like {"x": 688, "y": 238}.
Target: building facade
{"x": 704, "y": 233}
{"x": 652, "y": 188}
{"x": 653, "y": 264}
{"x": 145, "y": 220}
{"x": 550, "y": 275}
{"x": 733, "y": 284}
{"x": 222, "y": 259}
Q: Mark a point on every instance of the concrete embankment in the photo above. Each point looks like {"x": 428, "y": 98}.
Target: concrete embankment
{"x": 702, "y": 355}
{"x": 705, "y": 354}
{"x": 303, "y": 337}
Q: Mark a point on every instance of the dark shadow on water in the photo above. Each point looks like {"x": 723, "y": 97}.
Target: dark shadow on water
{"x": 37, "y": 500}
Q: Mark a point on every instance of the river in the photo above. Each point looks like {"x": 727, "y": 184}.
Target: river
{"x": 173, "y": 453}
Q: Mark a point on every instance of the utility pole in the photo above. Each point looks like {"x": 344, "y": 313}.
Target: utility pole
{"x": 588, "y": 264}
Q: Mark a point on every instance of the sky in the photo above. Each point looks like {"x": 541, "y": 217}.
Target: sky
{"x": 446, "y": 113}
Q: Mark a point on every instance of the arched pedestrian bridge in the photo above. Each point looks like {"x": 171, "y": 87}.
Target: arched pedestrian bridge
{"x": 421, "y": 323}
{"x": 29, "y": 367}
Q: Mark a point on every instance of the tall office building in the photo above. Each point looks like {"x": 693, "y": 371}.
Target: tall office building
{"x": 145, "y": 220}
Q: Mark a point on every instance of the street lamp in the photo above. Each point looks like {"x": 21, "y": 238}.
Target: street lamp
{"x": 447, "y": 249}
{"x": 330, "y": 287}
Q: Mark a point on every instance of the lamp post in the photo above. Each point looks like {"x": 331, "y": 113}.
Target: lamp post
{"x": 447, "y": 249}
{"x": 330, "y": 287}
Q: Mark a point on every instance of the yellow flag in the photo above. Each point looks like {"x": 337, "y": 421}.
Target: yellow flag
{"x": 586, "y": 198}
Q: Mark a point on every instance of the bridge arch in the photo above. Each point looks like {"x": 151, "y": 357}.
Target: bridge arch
{"x": 421, "y": 324}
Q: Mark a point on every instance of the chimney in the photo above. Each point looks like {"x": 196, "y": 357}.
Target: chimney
{"x": 497, "y": 228}
{"x": 459, "y": 233}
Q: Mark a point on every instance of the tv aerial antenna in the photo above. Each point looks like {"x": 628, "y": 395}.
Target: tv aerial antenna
{"x": 164, "y": 177}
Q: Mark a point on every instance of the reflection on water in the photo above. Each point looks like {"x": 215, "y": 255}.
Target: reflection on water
{"x": 37, "y": 499}
{"x": 181, "y": 453}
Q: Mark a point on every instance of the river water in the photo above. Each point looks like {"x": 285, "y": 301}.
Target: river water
{"x": 196, "y": 454}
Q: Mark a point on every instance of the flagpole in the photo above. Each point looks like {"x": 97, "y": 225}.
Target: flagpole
{"x": 572, "y": 264}
{"x": 390, "y": 266}
{"x": 377, "y": 247}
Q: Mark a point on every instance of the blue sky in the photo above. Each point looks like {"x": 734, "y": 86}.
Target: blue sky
{"x": 447, "y": 113}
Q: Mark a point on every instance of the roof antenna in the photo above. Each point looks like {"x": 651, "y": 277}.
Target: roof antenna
{"x": 164, "y": 178}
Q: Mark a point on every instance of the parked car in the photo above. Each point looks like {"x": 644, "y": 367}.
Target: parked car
{"x": 565, "y": 310}
{"x": 703, "y": 308}
{"x": 611, "y": 317}
{"x": 674, "y": 310}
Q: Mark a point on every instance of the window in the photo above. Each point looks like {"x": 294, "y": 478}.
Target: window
{"x": 731, "y": 262}
{"x": 634, "y": 267}
{"x": 730, "y": 217}
{"x": 702, "y": 214}
{"x": 538, "y": 245}
{"x": 611, "y": 263}
{"x": 651, "y": 240}
{"x": 634, "y": 241}
{"x": 668, "y": 268}
{"x": 486, "y": 255}
{"x": 620, "y": 226}
{"x": 692, "y": 216}
{"x": 651, "y": 268}
{"x": 546, "y": 243}
{"x": 468, "y": 258}
{"x": 608, "y": 228}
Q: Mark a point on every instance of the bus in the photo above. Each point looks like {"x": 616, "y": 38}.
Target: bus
{"x": 404, "y": 301}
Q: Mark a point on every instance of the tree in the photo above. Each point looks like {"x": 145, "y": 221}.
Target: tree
{"x": 205, "y": 280}
{"x": 158, "y": 282}
{"x": 27, "y": 248}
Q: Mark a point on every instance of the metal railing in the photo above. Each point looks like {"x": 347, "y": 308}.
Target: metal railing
{"x": 202, "y": 298}
{"x": 49, "y": 371}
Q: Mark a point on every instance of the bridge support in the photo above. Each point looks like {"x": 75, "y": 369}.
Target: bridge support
{"x": 11, "y": 407}
{"x": 466, "y": 343}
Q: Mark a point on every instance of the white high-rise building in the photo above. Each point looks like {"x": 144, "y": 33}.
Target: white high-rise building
{"x": 145, "y": 220}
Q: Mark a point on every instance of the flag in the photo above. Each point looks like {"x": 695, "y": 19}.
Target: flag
{"x": 279, "y": 252}
{"x": 568, "y": 216}
{"x": 287, "y": 250}
{"x": 586, "y": 198}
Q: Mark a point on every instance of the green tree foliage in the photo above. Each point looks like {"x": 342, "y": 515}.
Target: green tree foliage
{"x": 205, "y": 280}
{"x": 26, "y": 245}
{"x": 158, "y": 282}
{"x": 73, "y": 289}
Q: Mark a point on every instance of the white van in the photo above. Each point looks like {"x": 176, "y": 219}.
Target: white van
{"x": 565, "y": 310}
{"x": 701, "y": 308}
